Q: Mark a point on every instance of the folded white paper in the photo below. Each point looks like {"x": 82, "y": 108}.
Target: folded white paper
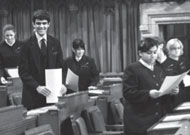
{"x": 171, "y": 82}
{"x": 72, "y": 80}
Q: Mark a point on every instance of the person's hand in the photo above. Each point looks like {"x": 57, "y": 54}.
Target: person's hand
{"x": 175, "y": 91}
{"x": 43, "y": 90}
{"x": 154, "y": 93}
{"x": 63, "y": 90}
{"x": 92, "y": 87}
{"x": 3, "y": 80}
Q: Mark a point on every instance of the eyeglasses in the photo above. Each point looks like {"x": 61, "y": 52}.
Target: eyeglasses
{"x": 175, "y": 48}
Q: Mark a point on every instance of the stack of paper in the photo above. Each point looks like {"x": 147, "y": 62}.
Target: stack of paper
{"x": 96, "y": 91}
{"x": 177, "y": 117}
{"x": 166, "y": 125}
{"x": 41, "y": 110}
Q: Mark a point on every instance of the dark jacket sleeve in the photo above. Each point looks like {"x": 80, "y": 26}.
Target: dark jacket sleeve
{"x": 132, "y": 91}
{"x": 94, "y": 74}
{"x": 1, "y": 63}
{"x": 24, "y": 68}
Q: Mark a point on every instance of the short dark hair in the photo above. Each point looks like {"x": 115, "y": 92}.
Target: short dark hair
{"x": 159, "y": 40}
{"x": 8, "y": 27}
{"x": 41, "y": 15}
{"x": 78, "y": 43}
{"x": 146, "y": 44}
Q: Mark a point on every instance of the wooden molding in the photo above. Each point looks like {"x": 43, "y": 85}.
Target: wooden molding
{"x": 152, "y": 18}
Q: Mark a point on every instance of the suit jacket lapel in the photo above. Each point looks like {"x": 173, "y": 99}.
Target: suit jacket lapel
{"x": 35, "y": 52}
{"x": 51, "y": 49}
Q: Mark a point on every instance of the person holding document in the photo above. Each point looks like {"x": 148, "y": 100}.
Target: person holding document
{"x": 10, "y": 49}
{"x": 83, "y": 66}
{"x": 41, "y": 51}
{"x": 141, "y": 83}
{"x": 176, "y": 64}
{"x": 168, "y": 99}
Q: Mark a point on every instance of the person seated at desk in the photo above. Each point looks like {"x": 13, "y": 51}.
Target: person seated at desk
{"x": 83, "y": 66}
{"x": 141, "y": 83}
{"x": 10, "y": 49}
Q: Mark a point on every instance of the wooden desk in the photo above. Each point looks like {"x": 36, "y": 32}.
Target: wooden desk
{"x": 167, "y": 128}
{"x": 10, "y": 114}
{"x": 111, "y": 92}
{"x": 184, "y": 130}
{"x": 12, "y": 121}
{"x": 68, "y": 105}
{"x": 18, "y": 128}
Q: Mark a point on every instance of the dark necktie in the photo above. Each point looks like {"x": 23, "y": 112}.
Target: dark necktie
{"x": 43, "y": 47}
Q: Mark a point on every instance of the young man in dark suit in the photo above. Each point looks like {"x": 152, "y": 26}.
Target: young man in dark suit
{"x": 41, "y": 51}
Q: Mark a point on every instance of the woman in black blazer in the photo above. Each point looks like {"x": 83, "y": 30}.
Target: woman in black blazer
{"x": 10, "y": 49}
{"x": 141, "y": 82}
{"x": 176, "y": 64}
{"x": 83, "y": 66}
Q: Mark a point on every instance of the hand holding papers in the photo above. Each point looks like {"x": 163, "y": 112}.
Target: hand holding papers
{"x": 154, "y": 93}
{"x": 72, "y": 80}
{"x": 54, "y": 84}
{"x": 171, "y": 82}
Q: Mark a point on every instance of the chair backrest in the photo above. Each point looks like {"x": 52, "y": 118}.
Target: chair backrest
{"x": 78, "y": 125}
{"x": 117, "y": 110}
{"x": 82, "y": 126}
{"x": 15, "y": 98}
{"x": 94, "y": 119}
{"x": 41, "y": 130}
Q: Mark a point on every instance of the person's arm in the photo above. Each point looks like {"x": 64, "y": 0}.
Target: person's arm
{"x": 2, "y": 73}
{"x": 1, "y": 66}
{"x": 94, "y": 74}
{"x": 64, "y": 70}
{"x": 24, "y": 73}
{"x": 131, "y": 89}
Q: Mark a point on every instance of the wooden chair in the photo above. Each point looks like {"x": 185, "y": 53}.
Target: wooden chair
{"x": 78, "y": 125}
{"x": 95, "y": 122}
{"x": 117, "y": 110}
{"x": 15, "y": 98}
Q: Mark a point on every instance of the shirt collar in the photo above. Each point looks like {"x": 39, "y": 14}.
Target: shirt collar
{"x": 39, "y": 38}
{"x": 78, "y": 58}
{"x": 151, "y": 67}
{"x": 9, "y": 43}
